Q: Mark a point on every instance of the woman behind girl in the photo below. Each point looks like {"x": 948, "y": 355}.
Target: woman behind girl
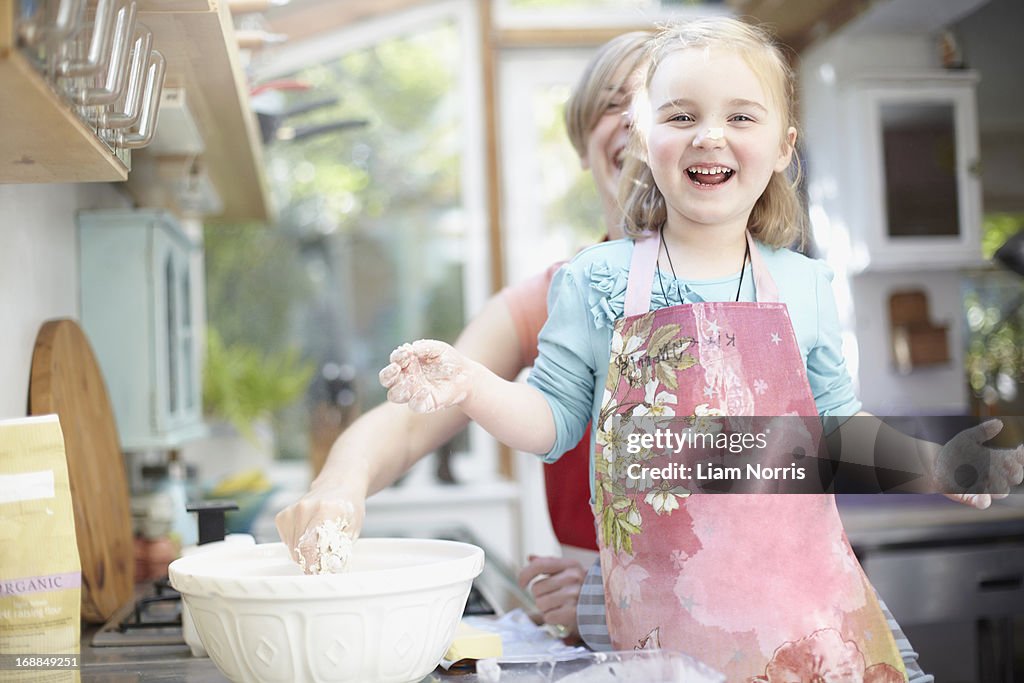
{"x": 385, "y": 442}
{"x": 702, "y": 314}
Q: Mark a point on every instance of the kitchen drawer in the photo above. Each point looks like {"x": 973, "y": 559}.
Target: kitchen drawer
{"x": 948, "y": 584}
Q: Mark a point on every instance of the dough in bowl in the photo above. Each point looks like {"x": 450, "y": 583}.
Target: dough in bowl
{"x": 329, "y": 544}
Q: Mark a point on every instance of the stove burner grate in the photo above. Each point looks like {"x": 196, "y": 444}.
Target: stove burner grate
{"x": 152, "y": 618}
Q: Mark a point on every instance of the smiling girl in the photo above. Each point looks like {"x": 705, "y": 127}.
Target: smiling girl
{"x": 703, "y": 313}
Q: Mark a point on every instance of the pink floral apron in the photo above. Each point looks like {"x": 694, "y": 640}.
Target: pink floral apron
{"x": 761, "y": 587}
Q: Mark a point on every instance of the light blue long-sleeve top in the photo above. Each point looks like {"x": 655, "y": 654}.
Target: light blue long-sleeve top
{"x": 588, "y": 294}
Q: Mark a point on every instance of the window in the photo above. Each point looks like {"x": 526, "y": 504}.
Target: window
{"x": 551, "y": 206}
{"x": 381, "y": 227}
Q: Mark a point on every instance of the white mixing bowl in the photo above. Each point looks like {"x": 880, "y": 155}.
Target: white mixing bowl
{"x": 389, "y": 619}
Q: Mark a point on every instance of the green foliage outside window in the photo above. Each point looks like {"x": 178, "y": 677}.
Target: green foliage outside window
{"x": 994, "y": 304}
{"x": 368, "y": 237}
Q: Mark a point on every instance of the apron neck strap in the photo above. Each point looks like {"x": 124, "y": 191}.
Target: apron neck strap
{"x": 644, "y": 263}
{"x": 764, "y": 286}
{"x": 641, "y": 275}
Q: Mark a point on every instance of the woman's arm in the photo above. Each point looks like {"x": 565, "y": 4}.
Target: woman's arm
{"x": 384, "y": 443}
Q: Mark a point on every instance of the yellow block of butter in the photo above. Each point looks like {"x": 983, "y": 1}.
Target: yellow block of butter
{"x": 472, "y": 643}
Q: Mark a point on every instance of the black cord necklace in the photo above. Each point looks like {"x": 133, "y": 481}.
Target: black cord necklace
{"x": 661, "y": 280}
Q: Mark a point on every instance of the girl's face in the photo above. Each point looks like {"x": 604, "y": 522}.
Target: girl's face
{"x": 606, "y": 145}
{"x": 715, "y": 137}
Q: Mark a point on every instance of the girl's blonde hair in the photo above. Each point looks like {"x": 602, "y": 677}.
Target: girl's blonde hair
{"x": 606, "y": 73}
{"x": 777, "y": 218}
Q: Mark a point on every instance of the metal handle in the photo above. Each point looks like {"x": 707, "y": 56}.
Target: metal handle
{"x": 69, "y": 14}
{"x": 99, "y": 44}
{"x": 1010, "y": 582}
{"x": 147, "y": 124}
{"x": 66, "y": 17}
{"x": 130, "y": 106}
{"x": 113, "y": 84}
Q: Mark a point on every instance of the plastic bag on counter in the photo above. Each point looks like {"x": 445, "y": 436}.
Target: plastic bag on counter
{"x": 643, "y": 666}
{"x": 40, "y": 571}
{"x": 532, "y": 655}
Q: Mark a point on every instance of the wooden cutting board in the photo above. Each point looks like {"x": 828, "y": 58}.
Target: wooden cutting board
{"x": 66, "y": 380}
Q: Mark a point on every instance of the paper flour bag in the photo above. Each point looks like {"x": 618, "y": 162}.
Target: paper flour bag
{"x": 40, "y": 573}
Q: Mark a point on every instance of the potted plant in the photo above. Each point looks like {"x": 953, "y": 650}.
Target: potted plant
{"x": 242, "y": 388}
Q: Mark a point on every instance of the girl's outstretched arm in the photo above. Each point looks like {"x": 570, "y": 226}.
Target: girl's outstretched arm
{"x": 430, "y": 375}
{"x": 964, "y": 469}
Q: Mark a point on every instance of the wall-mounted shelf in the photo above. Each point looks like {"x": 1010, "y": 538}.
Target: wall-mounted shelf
{"x": 43, "y": 142}
{"x": 198, "y": 40}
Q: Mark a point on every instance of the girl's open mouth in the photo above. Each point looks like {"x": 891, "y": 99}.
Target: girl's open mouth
{"x": 708, "y": 176}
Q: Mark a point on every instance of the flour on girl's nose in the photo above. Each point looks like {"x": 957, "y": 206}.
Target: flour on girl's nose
{"x": 715, "y": 134}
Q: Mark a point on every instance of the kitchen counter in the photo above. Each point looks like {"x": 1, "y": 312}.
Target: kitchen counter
{"x": 874, "y": 524}
{"x": 912, "y": 520}
{"x": 170, "y": 664}
{"x": 494, "y": 588}
{"x": 175, "y": 664}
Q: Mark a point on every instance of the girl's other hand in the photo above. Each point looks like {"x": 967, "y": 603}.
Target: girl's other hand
{"x": 428, "y": 375}
{"x": 972, "y": 473}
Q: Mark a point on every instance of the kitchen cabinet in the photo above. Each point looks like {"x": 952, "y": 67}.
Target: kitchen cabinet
{"x": 137, "y": 291}
{"x": 916, "y": 172}
{"x": 44, "y": 142}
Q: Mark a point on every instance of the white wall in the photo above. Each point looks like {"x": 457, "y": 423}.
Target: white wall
{"x": 38, "y": 271}
{"x": 835, "y": 182}
{"x": 938, "y": 390}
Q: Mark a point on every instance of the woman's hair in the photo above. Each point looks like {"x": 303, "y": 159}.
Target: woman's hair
{"x": 777, "y": 217}
{"x": 607, "y": 71}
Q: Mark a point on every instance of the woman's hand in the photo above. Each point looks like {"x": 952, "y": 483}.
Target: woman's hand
{"x": 428, "y": 375}
{"x": 324, "y": 502}
{"x": 971, "y": 473}
{"x": 555, "y": 583}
